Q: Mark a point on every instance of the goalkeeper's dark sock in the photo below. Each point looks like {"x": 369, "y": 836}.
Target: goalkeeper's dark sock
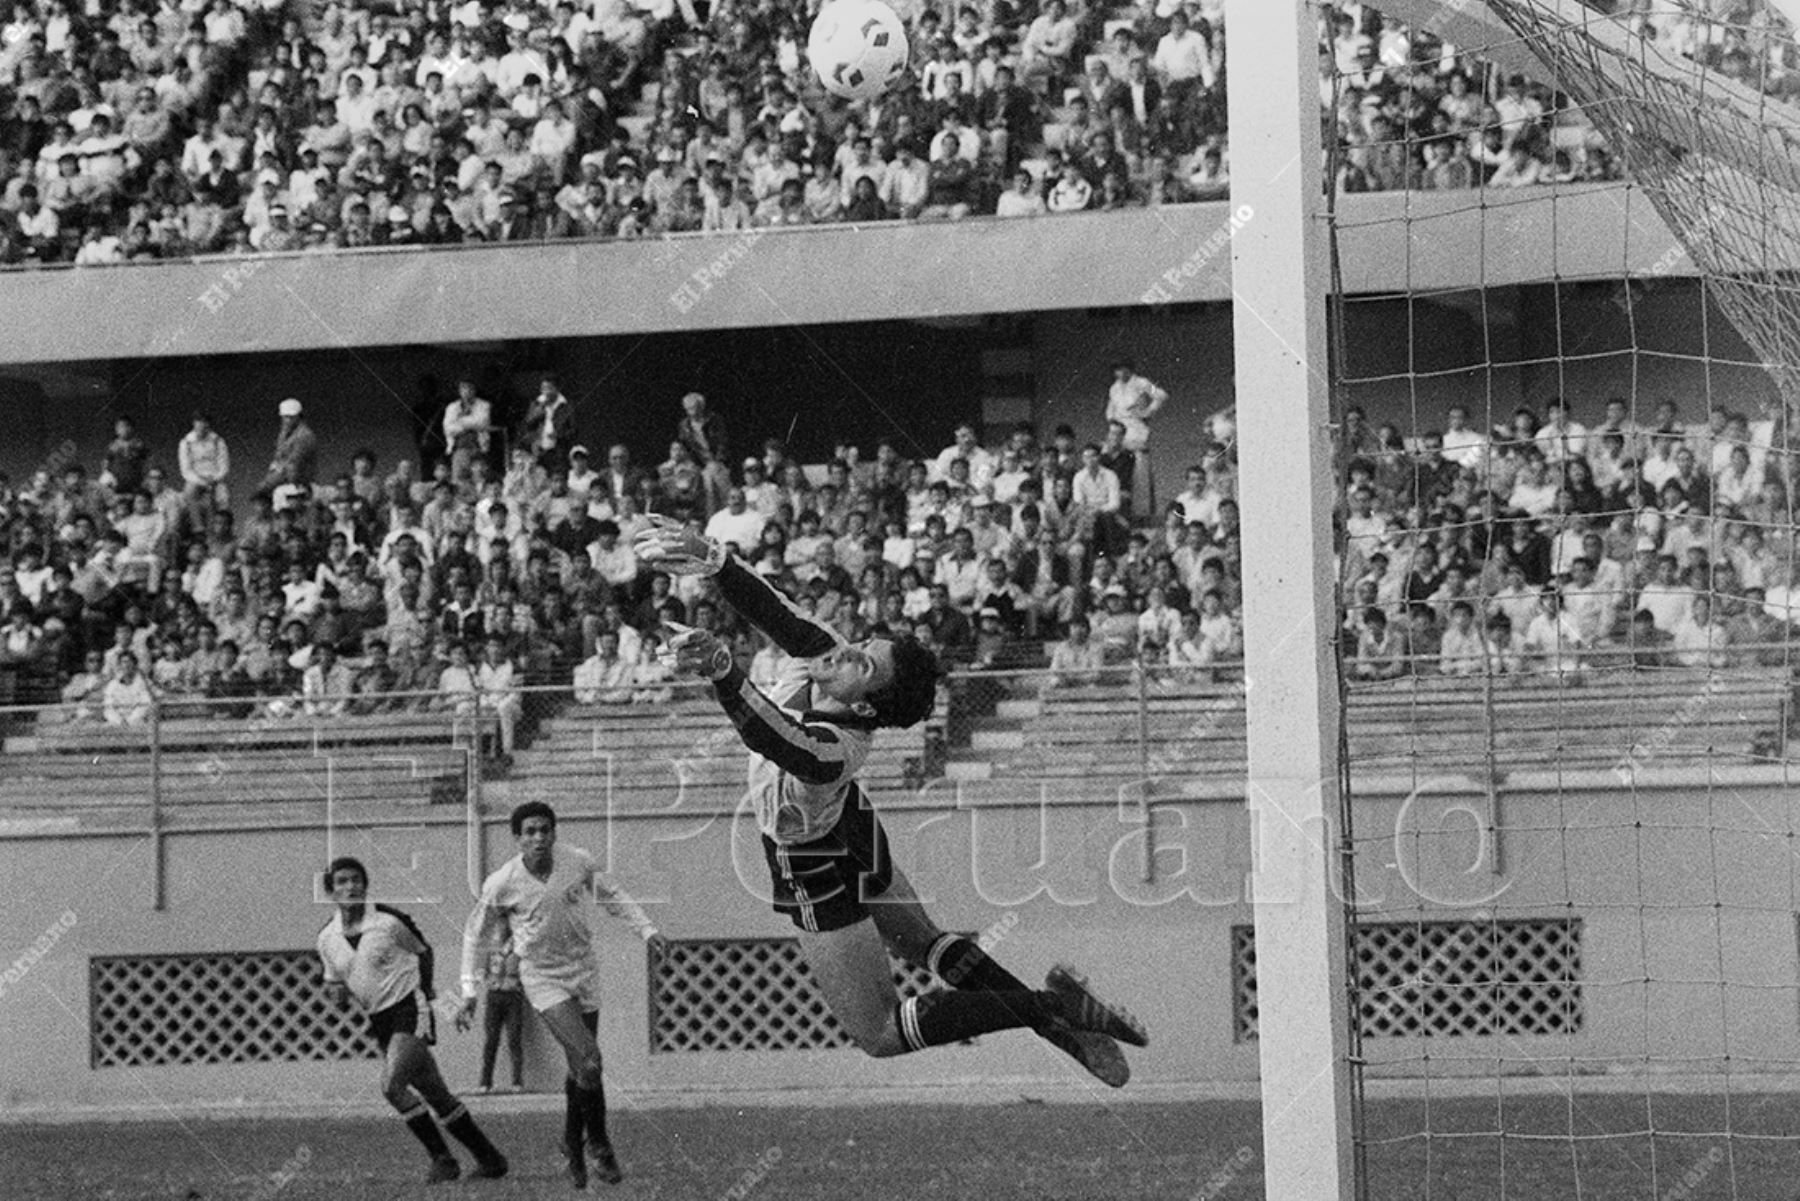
{"x": 462, "y": 1127}
{"x": 938, "y": 1018}
{"x": 572, "y": 1117}
{"x": 593, "y": 1107}
{"x": 418, "y": 1119}
{"x": 961, "y": 963}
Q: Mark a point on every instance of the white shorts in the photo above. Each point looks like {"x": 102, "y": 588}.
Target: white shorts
{"x": 547, "y": 990}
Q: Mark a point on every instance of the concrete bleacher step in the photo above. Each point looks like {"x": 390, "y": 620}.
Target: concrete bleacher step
{"x": 140, "y": 800}
{"x": 1130, "y": 730}
{"x": 199, "y": 790}
{"x": 661, "y": 773}
{"x": 619, "y": 796}
{"x": 573, "y": 756}
{"x": 1048, "y": 791}
{"x": 338, "y": 758}
{"x": 1125, "y": 750}
{"x": 197, "y": 736}
{"x": 370, "y": 811}
{"x": 404, "y": 774}
{"x": 666, "y": 790}
{"x": 968, "y": 769}
{"x": 1197, "y": 738}
{"x": 583, "y": 727}
{"x": 1018, "y": 710}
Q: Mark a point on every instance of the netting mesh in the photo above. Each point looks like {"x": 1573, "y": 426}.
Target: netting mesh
{"x": 1698, "y": 104}
{"x": 1447, "y": 978}
{"x": 1567, "y": 551}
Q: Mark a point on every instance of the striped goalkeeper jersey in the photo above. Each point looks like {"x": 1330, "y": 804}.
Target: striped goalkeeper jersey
{"x": 803, "y": 762}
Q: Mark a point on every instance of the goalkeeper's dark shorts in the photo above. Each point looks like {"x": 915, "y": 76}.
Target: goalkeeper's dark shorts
{"x": 826, "y": 884}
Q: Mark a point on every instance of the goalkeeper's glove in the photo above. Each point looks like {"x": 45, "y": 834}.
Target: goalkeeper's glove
{"x": 669, "y": 546}
{"x": 697, "y": 652}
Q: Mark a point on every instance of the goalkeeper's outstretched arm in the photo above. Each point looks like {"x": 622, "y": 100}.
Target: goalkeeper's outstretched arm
{"x": 757, "y": 601}
{"x": 669, "y": 546}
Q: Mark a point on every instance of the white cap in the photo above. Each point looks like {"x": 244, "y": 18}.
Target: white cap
{"x": 289, "y": 408}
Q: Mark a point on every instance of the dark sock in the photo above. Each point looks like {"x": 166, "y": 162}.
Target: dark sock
{"x": 961, "y": 963}
{"x": 572, "y": 1119}
{"x": 462, "y": 1126}
{"x": 950, "y": 1017}
{"x": 593, "y": 1104}
{"x": 420, "y": 1122}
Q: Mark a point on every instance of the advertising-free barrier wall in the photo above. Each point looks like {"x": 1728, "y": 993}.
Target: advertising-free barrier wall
{"x": 1662, "y": 970}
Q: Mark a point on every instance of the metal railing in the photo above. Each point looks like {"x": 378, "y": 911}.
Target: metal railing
{"x": 394, "y": 746}
{"x": 646, "y": 746}
{"x": 186, "y": 752}
{"x": 244, "y": 749}
{"x": 1152, "y": 722}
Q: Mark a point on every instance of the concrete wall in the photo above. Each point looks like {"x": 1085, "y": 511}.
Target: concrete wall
{"x": 1641, "y": 870}
{"x": 1390, "y": 243}
{"x": 252, "y": 891}
{"x": 1686, "y": 895}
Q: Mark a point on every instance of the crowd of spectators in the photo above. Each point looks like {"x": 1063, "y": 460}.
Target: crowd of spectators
{"x": 1744, "y": 40}
{"x": 1539, "y": 547}
{"x": 1548, "y": 546}
{"x": 143, "y": 130}
{"x": 1408, "y": 111}
{"x": 509, "y": 564}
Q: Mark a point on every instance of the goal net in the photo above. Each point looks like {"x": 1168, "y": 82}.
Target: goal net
{"x": 1566, "y": 559}
{"x": 1700, "y": 109}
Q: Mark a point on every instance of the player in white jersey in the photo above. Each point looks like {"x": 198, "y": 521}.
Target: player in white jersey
{"x": 542, "y": 900}
{"x": 377, "y": 957}
{"x": 829, "y": 866}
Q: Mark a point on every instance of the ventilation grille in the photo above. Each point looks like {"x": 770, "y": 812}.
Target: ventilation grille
{"x": 746, "y": 995}
{"x": 1447, "y": 978}
{"x": 239, "y": 1007}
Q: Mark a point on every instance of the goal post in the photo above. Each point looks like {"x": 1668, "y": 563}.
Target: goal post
{"x": 1281, "y": 278}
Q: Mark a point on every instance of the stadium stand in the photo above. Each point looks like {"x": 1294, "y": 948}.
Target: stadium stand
{"x": 134, "y": 132}
{"x": 1734, "y": 40}
{"x": 378, "y": 635}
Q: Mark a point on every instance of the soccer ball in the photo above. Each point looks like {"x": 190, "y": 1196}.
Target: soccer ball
{"x": 857, "y": 47}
